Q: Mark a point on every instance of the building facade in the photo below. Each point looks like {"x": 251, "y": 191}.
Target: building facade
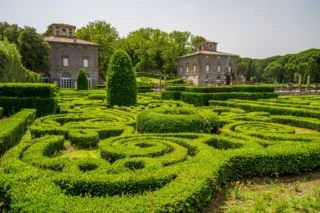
{"x": 68, "y": 55}
{"x": 207, "y": 66}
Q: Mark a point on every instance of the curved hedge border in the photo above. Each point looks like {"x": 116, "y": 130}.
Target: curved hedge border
{"x": 172, "y": 172}
{"x": 12, "y": 129}
{"x": 177, "y": 120}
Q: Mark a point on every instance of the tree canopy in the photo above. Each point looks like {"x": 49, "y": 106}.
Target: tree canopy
{"x": 105, "y": 35}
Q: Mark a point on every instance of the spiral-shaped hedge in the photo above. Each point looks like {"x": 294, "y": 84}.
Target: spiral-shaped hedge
{"x": 164, "y": 120}
{"x": 126, "y": 171}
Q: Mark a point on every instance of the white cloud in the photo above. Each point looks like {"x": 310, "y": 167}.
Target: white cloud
{"x": 250, "y": 9}
{"x": 189, "y": 6}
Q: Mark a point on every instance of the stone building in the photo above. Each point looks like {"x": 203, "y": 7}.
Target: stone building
{"x": 207, "y": 66}
{"x": 68, "y": 55}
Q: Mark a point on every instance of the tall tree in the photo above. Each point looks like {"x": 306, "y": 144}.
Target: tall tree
{"x": 182, "y": 39}
{"x": 195, "y": 40}
{"x": 105, "y": 35}
{"x": 35, "y": 52}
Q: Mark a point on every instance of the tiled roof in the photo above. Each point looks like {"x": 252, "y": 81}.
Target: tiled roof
{"x": 208, "y": 53}
{"x": 68, "y": 40}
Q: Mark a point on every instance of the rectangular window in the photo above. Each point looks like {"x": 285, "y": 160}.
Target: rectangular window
{"x": 187, "y": 69}
{"x": 194, "y": 68}
{"x": 85, "y": 62}
{"x": 180, "y": 70}
{"x": 65, "y": 62}
{"x": 207, "y": 69}
{"x": 219, "y": 69}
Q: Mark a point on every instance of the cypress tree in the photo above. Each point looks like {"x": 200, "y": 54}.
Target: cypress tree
{"x": 82, "y": 80}
{"x": 121, "y": 81}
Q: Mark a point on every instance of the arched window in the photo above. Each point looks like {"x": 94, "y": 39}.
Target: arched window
{"x": 45, "y": 78}
{"x": 89, "y": 81}
{"x": 65, "y": 80}
{"x": 64, "y": 32}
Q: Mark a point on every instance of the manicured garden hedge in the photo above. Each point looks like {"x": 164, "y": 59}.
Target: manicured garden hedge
{"x": 202, "y": 99}
{"x": 13, "y": 128}
{"x": 171, "y": 95}
{"x": 212, "y": 89}
{"x": 23, "y": 90}
{"x": 177, "y": 120}
{"x": 143, "y": 89}
{"x": 44, "y": 106}
{"x": 156, "y": 76}
{"x": 153, "y": 172}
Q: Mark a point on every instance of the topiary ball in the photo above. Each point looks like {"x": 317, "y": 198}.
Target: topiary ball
{"x": 121, "y": 81}
{"x": 163, "y": 120}
{"x": 82, "y": 80}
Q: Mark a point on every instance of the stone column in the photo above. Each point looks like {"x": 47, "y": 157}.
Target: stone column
{"x": 308, "y": 82}
{"x": 231, "y": 80}
{"x": 160, "y": 84}
{"x": 299, "y": 82}
{"x": 164, "y": 81}
{"x": 275, "y": 83}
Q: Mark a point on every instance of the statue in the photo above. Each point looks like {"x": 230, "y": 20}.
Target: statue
{"x": 228, "y": 72}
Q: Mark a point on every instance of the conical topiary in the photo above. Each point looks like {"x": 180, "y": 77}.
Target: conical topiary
{"x": 121, "y": 81}
{"x": 82, "y": 80}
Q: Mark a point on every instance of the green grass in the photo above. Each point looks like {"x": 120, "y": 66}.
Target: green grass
{"x": 291, "y": 193}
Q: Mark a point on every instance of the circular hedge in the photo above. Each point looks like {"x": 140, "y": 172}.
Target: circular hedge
{"x": 83, "y": 138}
{"x": 121, "y": 81}
{"x": 163, "y": 120}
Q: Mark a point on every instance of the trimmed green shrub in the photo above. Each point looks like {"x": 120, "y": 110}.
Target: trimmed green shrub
{"x": 143, "y": 89}
{"x": 97, "y": 96}
{"x": 24, "y": 90}
{"x": 44, "y": 106}
{"x": 210, "y": 89}
{"x": 202, "y": 99}
{"x": 170, "y": 95}
{"x": 82, "y": 80}
{"x": 176, "y": 88}
{"x": 12, "y": 129}
{"x": 177, "y": 120}
{"x": 177, "y": 81}
{"x": 121, "y": 81}
{"x": 83, "y": 138}
{"x": 156, "y": 76}
{"x": 100, "y": 86}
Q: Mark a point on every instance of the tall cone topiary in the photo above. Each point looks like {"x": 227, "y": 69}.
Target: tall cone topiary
{"x": 82, "y": 80}
{"x": 121, "y": 81}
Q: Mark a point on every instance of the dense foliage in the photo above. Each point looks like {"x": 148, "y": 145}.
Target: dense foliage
{"x": 11, "y": 68}
{"x": 34, "y": 51}
{"x": 105, "y": 35}
{"x": 287, "y": 67}
{"x": 121, "y": 81}
{"x": 82, "y": 80}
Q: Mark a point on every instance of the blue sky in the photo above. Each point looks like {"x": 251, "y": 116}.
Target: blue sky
{"x": 249, "y": 28}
